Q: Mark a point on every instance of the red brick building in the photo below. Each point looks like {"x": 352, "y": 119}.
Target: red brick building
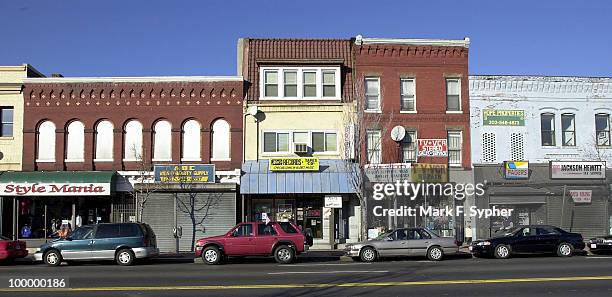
{"x": 422, "y": 86}
{"x": 109, "y": 133}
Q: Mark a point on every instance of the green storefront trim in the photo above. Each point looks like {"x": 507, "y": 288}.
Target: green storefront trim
{"x": 58, "y": 177}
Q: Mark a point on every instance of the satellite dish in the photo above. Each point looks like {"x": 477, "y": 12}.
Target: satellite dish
{"x": 253, "y": 110}
{"x": 398, "y": 133}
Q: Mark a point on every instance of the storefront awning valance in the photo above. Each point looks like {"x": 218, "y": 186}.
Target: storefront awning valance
{"x": 497, "y": 200}
{"x": 57, "y": 183}
{"x": 333, "y": 177}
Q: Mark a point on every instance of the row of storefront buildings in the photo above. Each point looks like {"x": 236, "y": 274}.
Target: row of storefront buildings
{"x": 306, "y": 131}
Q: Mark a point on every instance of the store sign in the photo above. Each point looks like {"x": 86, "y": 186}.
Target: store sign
{"x": 388, "y": 172}
{"x": 581, "y": 196}
{"x": 432, "y": 147}
{"x": 333, "y": 201}
{"x": 429, "y": 173}
{"x": 185, "y": 173}
{"x": 516, "y": 169}
{"x": 577, "y": 170}
{"x": 55, "y": 189}
{"x": 294, "y": 164}
{"x": 503, "y": 117}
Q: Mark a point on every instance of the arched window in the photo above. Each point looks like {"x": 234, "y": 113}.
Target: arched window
{"x": 75, "y": 142}
{"x": 132, "y": 151}
{"x": 104, "y": 141}
{"x": 220, "y": 140}
{"x": 162, "y": 146}
{"x": 191, "y": 141}
{"x": 46, "y": 142}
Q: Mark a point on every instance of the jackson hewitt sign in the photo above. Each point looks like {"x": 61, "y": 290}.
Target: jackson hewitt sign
{"x": 577, "y": 170}
{"x": 55, "y": 189}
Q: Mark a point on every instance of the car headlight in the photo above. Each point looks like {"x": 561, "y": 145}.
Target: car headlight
{"x": 37, "y": 249}
{"x": 483, "y": 243}
{"x": 607, "y": 241}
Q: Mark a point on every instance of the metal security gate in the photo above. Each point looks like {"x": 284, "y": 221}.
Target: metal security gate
{"x": 161, "y": 210}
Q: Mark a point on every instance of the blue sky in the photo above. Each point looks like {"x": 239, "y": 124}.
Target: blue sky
{"x": 126, "y": 38}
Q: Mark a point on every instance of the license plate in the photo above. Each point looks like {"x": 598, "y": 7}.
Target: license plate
{"x": 593, "y": 246}
{"x": 470, "y": 248}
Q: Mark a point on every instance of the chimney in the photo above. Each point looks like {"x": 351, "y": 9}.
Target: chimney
{"x": 56, "y": 75}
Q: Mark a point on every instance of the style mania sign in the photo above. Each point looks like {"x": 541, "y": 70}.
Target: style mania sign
{"x": 577, "y": 170}
{"x": 294, "y": 164}
{"x": 432, "y": 147}
{"x": 185, "y": 173}
{"x": 55, "y": 189}
{"x": 503, "y": 117}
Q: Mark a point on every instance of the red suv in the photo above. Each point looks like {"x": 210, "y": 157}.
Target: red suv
{"x": 283, "y": 240}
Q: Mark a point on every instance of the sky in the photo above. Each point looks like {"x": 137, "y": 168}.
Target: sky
{"x": 148, "y": 38}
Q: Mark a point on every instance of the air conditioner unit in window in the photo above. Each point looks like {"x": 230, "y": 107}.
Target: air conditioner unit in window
{"x": 300, "y": 148}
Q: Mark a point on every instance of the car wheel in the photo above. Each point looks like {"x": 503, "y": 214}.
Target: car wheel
{"x": 124, "y": 257}
{"x": 211, "y": 255}
{"x": 368, "y": 254}
{"x": 565, "y": 250}
{"x": 53, "y": 258}
{"x": 502, "y": 251}
{"x": 435, "y": 253}
{"x": 284, "y": 254}
{"x": 356, "y": 259}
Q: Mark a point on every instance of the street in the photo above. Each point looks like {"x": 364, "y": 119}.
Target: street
{"x": 328, "y": 276}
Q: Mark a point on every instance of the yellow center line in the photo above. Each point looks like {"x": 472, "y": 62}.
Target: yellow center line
{"x": 325, "y": 285}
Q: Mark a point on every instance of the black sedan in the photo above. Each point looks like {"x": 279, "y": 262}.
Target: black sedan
{"x": 601, "y": 244}
{"x": 531, "y": 239}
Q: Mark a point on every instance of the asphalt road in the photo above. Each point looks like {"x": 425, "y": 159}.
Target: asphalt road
{"x": 329, "y": 276}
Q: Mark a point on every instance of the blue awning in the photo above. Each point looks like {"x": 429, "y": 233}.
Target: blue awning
{"x": 333, "y": 177}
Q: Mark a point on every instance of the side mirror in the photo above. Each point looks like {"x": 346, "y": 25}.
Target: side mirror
{"x": 388, "y": 238}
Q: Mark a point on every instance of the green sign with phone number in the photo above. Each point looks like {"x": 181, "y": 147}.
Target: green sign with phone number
{"x": 503, "y": 117}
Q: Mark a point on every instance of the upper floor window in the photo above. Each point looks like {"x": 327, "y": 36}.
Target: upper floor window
{"x": 162, "y": 141}
{"x": 275, "y": 142}
{"x": 602, "y": 129}
{"x": 300, "y": 83}
{"x": 372, "y": 94}
{"x": 46, "y": 142}
{"x": 409, "y": 147}
{"x": 547, "y": 128}
{"x": 300, "y": 142}
{"x": 220, "y": 141}
{"x": 324, "y": 142}
{"x": 104, "y": 141}
{"x": 453, "y": 94}
{"x": 568, "y": 129}
{"x": 191, "y": 141}
{"x": 373, "y": 146}
{"x": 75, "y": 142}
{"x": 454, "y": 148}
{"x": 408, "y": 92}
{"x": 6, "y": 121}
{"x": 132, "y": 150}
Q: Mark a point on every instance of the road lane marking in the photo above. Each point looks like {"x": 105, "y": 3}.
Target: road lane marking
{"x": 328, "y": 272}
{"x": 336, "y": 264}
{"x": 324, "y": 285}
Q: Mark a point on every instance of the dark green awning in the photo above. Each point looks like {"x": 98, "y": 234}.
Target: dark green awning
{"x": 57, "y": 183}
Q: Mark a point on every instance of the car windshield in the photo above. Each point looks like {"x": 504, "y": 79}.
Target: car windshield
{"x": 81, "y": 232}
{"x": 431, "y": 232}
{"x": 384, "y": 234}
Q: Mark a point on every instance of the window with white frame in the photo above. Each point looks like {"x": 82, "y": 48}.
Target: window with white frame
{"x": 162, "y": 145}
{"x": 191, "y": 141}
{"x": 46, "y": 142}
{"x": 276, "y": 142}
{"x": 6, "y": 121}
{"x": 453, "y": 94}
{"x": 132, "y": 150}
{"x": 454, "y": 148}
{"x": 300, "y": 83}
{"x": 602, "y": 129}
{"x": 568, "y": 129}
{"x": 373, "y": 149}
{"x": 75, "y": 142}
{"x": 221, "y": 140}
{"x": 408, "y": 94}
{"x": 409, "y": 147}
{"x": 104, "y": 141}
{"x": 372, "y": 93}
{"x": 324, "y": 142}
{"x": 547, "y": 129}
